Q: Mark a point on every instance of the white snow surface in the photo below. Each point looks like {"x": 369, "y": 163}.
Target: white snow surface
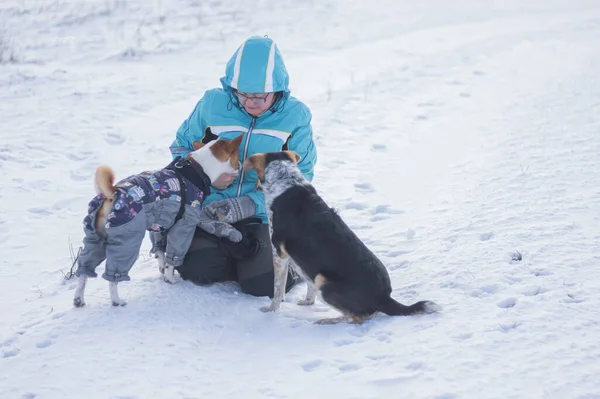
{"x": 451, "y": 135}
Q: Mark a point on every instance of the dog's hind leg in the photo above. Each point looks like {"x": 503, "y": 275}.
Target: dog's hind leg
{"x": 344, "y": 319}
{"x": 169, "y": 273}
{"x": 160, "y": 255}
{"x": 159, "y": 245}
{"x": 114, "y": 294}
{"x": 346, "y": 299}
{"x": 92, "y": 254}
{"x": 122, "y": 250}
{"x": 333, "y": 320}
{"x": 281, "y": 267}
{"x": 311, "y": 294}
{"x": 78, "y": 301}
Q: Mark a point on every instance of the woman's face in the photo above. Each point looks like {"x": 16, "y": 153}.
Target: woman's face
{"x": 255, "y": 104}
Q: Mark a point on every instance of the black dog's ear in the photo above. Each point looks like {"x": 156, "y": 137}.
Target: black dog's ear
{"x": 208, "y": 136}
{"x": 294, "y": 156}
{"x": 258, "y": 163}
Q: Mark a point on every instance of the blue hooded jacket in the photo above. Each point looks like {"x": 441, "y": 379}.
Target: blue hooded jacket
{"x": 256, "y": 67}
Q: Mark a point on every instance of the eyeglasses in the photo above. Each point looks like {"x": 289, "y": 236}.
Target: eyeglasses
{"x": 255, "y": 100}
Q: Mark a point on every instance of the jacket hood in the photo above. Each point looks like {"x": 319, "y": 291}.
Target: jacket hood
{"x": 257, "y": 67}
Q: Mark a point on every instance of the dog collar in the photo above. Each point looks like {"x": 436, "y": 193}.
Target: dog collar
{"x": 193, "y": 172}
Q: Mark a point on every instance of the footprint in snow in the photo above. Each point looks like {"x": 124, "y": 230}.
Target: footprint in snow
{"x": 462, "y": 336}
{"x": 363, "y": 187}
{"x": 311, "y": 366}
{"x": 79, "y": 155}
{"x": 378, "y": 147}
{"x": 415, "y": 366}
{"x": 44, "y": 343}
{"x": 507, "y": 303}
{"x": 533, "y": 291}
{"x": 398, "y": 252}
{"x": 7, "y": 348}
{"x": 40, "y": 211}
{"x": 397, "y": 379}
{"x": 400, "y": 265}
{"x": 377, "y": 357}
{"x": 427, "y": 104}
{"x": 345, "y": 342}
{"x": 357, "y": 227}
{"x": 486, "y": 236}
{"x": 114, "y": 138}
{"x": 446, "y": 396}
{"x": 9, "y": 352}
{"x": 506, "y": 327}
{"x": 359, "y": 206}
{"x": 385, "y": 209}
{"x": 464, "y": 95}
{"x": 572, "y": 299}
{"x": 484, "y": 290}
{"x": 344, "y": 368}
{"x": 338, "y": 162}
{"x": 383, "y": 336}
{"x": 377, "y": 218}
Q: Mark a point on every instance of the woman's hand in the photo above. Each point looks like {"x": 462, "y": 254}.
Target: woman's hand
{"x": 224, "y": 180}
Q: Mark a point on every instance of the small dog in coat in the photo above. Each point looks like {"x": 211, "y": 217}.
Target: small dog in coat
{"x": 167, "y": 202}
{"x": 333, "y": 260}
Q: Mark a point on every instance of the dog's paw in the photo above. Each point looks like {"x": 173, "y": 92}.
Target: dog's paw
{"x": 333, "y": 320}
{"x": 305, "y": 302}
{"x": 160, "y": 256}
{"x": 120, "y": 302}
{"x": 78, "y": 302}
{"x": 431, "y": 307}
{"x": 169, "y": 274}
{"x": 270, "y": 308}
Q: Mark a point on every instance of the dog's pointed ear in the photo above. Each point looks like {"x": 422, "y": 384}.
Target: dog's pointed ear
{"x": 234, "y": 144}
{"x": 256, "y": 162}
{"x": 294, "y": 156}
{"x": 197, "y": 145}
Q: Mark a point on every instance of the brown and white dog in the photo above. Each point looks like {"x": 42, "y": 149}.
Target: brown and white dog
{"x": 167, "y": 202}
{"x": 333, "y": 260}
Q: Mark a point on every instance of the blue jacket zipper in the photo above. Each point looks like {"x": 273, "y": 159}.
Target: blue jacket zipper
{"x": 239, "y": 191}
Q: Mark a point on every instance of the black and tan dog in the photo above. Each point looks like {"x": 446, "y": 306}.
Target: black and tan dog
{"x": 334, "y": 261}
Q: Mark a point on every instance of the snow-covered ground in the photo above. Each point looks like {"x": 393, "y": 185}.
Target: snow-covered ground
{"x": 451, "y": 135}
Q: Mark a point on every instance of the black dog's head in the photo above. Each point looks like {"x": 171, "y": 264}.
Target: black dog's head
{"x": 259, "y": 162}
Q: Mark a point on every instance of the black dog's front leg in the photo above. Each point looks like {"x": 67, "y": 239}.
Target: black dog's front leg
{"x": 280, "y": 266}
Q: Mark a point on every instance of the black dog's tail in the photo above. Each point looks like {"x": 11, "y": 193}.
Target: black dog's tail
{"x": 391, "y": 307}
